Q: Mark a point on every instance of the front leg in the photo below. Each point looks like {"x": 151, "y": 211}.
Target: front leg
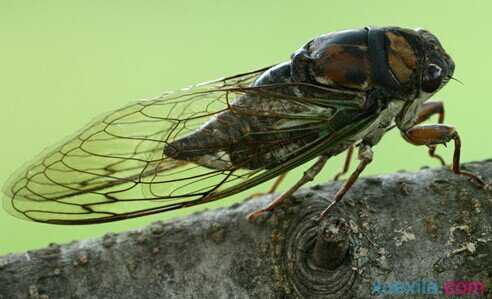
{"x": 432, "y": 135}
{"x": 427, "y": 111}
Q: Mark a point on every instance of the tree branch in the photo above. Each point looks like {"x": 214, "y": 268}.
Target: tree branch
{"x": 430, "y": 225}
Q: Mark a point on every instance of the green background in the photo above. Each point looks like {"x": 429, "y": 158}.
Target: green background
{"x": 64, "y": 62}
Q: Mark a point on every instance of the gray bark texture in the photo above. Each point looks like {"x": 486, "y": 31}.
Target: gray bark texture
{"x": 429, "y": 225}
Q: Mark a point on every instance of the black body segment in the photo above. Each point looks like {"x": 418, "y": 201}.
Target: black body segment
{"x": 377, "y": 47}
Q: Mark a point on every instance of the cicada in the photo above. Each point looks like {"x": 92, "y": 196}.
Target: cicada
{"x": 341, "y": 90}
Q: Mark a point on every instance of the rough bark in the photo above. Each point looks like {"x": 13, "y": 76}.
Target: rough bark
{"x": 430, "y": 225}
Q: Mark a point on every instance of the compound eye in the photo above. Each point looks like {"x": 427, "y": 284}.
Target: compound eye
{"x": 432, "y": 78}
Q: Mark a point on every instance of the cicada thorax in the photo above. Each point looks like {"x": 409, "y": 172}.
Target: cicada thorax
{"x": 361, "y": 59}
{"x": 335, "y": 59}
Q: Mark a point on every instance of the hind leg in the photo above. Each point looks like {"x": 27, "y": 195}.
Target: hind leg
{"x": 365, "y": 157}
{"x": 308, "y": 176}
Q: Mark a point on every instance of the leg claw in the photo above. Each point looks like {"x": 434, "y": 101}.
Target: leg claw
{"x": 326, "y": 211}
{"x": 258, "y": 194}
{"x": 252, "y": 217}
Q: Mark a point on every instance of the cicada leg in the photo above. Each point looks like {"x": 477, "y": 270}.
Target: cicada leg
{"x": 277, "y": 182}
{"x": 365, "y": 157}
{"x": 428, "y": 110}
{"x": 308, "y": 176}
{"x": 274, "y": 186}
{"x": 346, "y": 165}
{"x": 431, "y": 135}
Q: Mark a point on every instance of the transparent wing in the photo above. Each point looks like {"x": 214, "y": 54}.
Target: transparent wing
{"x": 115, "y": 168}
